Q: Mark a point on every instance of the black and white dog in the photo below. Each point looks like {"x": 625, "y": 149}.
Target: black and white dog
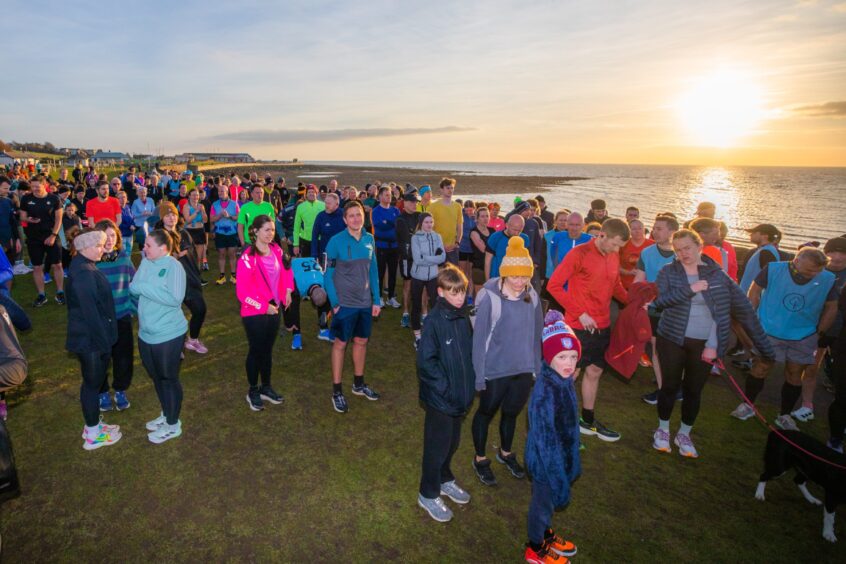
{"x": 781, "y": 456}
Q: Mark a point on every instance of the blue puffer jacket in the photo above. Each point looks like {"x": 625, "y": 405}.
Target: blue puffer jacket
{"x": 552, "y": 446}
{"x": 725, "y": 300}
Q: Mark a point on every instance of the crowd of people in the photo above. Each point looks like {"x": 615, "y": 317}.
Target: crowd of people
{"x": 503, "y": 310}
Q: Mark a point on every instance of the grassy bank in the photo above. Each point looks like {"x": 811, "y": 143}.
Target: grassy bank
{"x": 300, "y": 482}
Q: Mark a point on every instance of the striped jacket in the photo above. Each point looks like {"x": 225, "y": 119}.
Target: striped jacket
{"x": 119, "y": 273}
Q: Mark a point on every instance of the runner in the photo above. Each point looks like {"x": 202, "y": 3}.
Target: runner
{"x": 557, "y": 225}
{"x": 383, "y": 218}
{"x": 195, "y": 217}
{"x": 583, "y": 284}
{"x": 496, "y": 223}
{"x": 224, "y": 220}
{"x": 598, "y": 212}
{"x": 304, "y": 218}
{"x": 104, "y": 206}
{"x": 497, "y": 245}
{"x": 632, "y": 213}
{"x": 10, "y": 240}
{"x": 546, "y": 216}
{"x": 449, "y": 220}
{"x": 565, "y": 241}
{"x": 465, "y": 248}
{"x": 709, "y": 230}
{"x": 249, "y": 211}
{"x": 532, "y": 230}
{"x": 143, "y": 208}
{"x": 704, "y": 209}
{"x": 42, "y": 214}
{"x": 327, "y": 224}
{"x": 630, "y": 253}
{"x": 479, "y": 239}
{"x": 425, "y": 198}
{"x": 406, "y": 227}
{"x": 428, "y": 253}
{"x": 352, "y": 284}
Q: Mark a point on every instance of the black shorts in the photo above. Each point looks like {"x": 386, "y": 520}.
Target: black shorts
{"x": 39, "y": 253}
{"x": 222, "y": 241}
{"x": 594, "y": 346}
{"x": 467, "y": 257}
{"x": 405, "y": 268}
{"x": 198, "y": 235}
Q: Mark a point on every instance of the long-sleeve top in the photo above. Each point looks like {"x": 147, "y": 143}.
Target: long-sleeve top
{"x": 352, "y": 276}
{"x": 160, "y": 287}
{"x": 384, "y": 222}
{"x": 119, "y": 270}
{"x": 304, "y": 219}
{"x": 92, "y": 325}
{"x": 254, "y": 280}
{"x": 427, "y": 252}
{"x": 142, "y": 211}
{"x": 127, "y": 222}
{"x": 585, "y": 282}
{"x": 406, "y": 225}
{"x": 326, "y": 225}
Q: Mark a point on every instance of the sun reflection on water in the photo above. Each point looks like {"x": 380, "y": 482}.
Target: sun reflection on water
{"x": 716, "y": 185}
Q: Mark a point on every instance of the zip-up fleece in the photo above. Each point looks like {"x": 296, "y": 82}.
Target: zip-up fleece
{"x": 352, "y": 276}
{"x": 160, "y": 287}
{"x": 425, "y": 257}
{"x": 252, "y": 288}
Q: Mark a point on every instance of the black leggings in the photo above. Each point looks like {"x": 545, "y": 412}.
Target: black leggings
{"x": 837, "y": 375}
{"x": 387, "y": 259}
{"x": 196, "y": 304}
{"x": 417, "y": 286}
{"x": 541, "y": 509}
{"x": 292, "y": 315}
{"x": 93, "y": 366}
{"x": 509, "y": 393}
{"x": 681, "y": 367}
{"x": 441, "y": 436}
{"x": 162, "y": 364}
{"x": 261, "y": 335}
{"x": 123, "y": 352}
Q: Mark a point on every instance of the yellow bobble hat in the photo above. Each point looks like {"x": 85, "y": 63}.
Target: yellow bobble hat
{"x": 517, "y": 261}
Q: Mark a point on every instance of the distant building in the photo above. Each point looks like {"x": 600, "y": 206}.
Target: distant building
{"x": 217, "y": 157}
{"x": 6, "y": 159}
{"x": 109, "y": 157}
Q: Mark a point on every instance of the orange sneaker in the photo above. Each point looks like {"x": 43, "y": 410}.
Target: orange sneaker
{"x": 554, "y": 543}
{"x": 543, "y": 557}
{"x": 645, "y": 361}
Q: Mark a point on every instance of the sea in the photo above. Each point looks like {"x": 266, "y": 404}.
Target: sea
{"x": 806, "y": 204}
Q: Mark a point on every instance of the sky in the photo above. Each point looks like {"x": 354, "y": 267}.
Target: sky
{"x": 666, "y": 82}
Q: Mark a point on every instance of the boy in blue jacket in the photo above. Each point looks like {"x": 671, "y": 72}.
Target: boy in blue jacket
{"x": 552, "y": 445}
{"x": 447, "y": 389}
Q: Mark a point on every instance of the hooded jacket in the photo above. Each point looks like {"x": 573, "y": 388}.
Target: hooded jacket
{"x": 252, "y": 282}
{"x": 444, "y": 360}
{"x": 632, "y": 330}
{"x": 427, "y": 251}
{"x": 92, "y": 324}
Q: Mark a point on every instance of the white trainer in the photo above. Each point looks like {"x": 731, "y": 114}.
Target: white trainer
{"x": 803, "y": 414}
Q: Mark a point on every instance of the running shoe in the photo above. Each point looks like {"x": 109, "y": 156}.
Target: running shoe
{"x": 232, "y": 278}
{"x": 543, "y": 556}
{"x": 206, "y": 266}
{"x": 394, "y": 303}
{"x": 103, "y": 427}
{"x": 196, "y": 345}
{"x": 836, "y": 445}
{"x": 737, "y": 351}
{"x": 651, "y": 398}
{"x": 743, "y": 412}
{"x": 165, "y": 433}
{"x": 786, "y": 423}
{"x": 511, "y": 462}
{"x": 365, "y": 391}
{"x": 803, "y": 414}
{"x": 436, "y": 508}
{"x": 47, "y": 278}
{"x": 105, "y": 402}
{"x": 4, "y": 410}
{"x": 40, "y": 300}
{"x": 297, "y": 342}
{"x": 156, "y": 423}
{"x": 105, "y": 435}
{"x": 60, "y": 298}
{"x": 339, "y": 402}
{"x": 416, "y": 343}
{"x": 645, "y": 361}
{"x": 555, "y": 543}
{"x": 221, "y": 280}
{"x": 269, "y": 394}
{"x": 455, "y": 492}
{"x": 661, "y": 440}
{"x": 64, "y": 273}
{"x": 20, "y": 269}
{"x": 325, "y": 335}
{"x": 484, "y": 472}
{"x": 598, "y": 429}
{"x": 685, "y": 445}
{"x": 203, "y": 283}
{"x": 121, "y": 401}
{"x": 254, "y": 399}
{"x": 405, "y": 321}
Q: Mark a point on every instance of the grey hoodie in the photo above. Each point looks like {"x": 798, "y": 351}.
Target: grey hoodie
{"x": 424, "y": 255}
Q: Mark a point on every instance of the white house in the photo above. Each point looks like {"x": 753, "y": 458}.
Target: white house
{"x": 109, "y": 157}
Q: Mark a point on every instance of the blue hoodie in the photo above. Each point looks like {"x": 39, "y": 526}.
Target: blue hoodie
{"x": 326, "y": 225}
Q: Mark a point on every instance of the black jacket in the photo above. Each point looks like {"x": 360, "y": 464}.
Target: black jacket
{"x": 92, "y": 326}
{"x": 444, "y": 360}
{"x": 406, "y": 225}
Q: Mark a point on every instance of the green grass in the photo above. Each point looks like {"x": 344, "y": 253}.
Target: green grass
{"x": 300, "y": 482}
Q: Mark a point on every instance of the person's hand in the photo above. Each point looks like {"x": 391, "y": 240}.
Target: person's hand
{"x": 50, "y": 241}
{"x": 297, "y": 251}
{"x": 33, "y": 220}
{"x": 699, "y": 286}
{"x": 272, "y": 309}
{"x": 288, "y": 297}
{"x": 376, "y": 310}
{"x": 335, "y": 310}
{"x": 439, "y": 252}
{"x": 17, "y": 246}
{"x": 587, "y": 322}
{"x": 709, "y": 354}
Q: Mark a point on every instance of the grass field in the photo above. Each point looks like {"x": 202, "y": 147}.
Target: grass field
{"x": 299, "y": 482}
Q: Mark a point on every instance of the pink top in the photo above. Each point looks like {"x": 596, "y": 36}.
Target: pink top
{"x": 496, "y": 224}
{"x": 262, "y": 279}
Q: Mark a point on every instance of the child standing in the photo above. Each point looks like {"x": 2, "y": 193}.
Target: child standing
{"x": 552, "y": 445}
{"x": 447, "y": 389}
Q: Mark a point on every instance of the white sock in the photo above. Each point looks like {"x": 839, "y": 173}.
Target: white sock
{"x": 92, "y": 431}
{"x": 685, "y": 429}
{"x": 664, "y": 424}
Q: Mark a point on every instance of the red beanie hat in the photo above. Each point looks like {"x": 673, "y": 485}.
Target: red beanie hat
{"x": 557, "y": 336}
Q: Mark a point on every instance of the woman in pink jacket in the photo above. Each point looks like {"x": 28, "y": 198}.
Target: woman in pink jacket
{"x": 264, "y": 285}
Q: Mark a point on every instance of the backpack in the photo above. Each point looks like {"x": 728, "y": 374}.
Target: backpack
{"x": 496, "y": 307}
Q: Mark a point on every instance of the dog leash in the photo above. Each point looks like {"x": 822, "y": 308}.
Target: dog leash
{"x": 722, "y": 368}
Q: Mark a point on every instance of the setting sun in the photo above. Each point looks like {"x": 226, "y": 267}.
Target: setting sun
{"x": 721, "y": 108}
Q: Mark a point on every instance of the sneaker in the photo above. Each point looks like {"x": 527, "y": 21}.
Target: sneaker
{"x": 339, "y": 402}
{"x": 121, "y": 401}
{"x": 513, "y": 466}
{"x": 436, "y": 508}
{"x": 269, "y": 394}
{"x": 554, "y": 543}
{"x": 221, "y": 280}
{"x": 105, "y": 435}
{"x": 645, "y": 361}
{"x": 455, "y": 493}
{"x": 661, "y": 440}
{"x": 206, "y": 266}
{"x": 47, "y": 278}
{"x": 64, "y": 273}
{"x": 165, "y": 433}
{"x": 685, "y": 445}
{"x": 745, "y": 365}
{"x": 325, "y": 335}
{"x": 365, "y": 391}
{"x": 405, "y": 321}
{"x": 254, "y": 399}
{"x": 297, "y": 342}
{"x": 156, "y": 423}
{"x": 203, "y": 283}
{"x": 103, "y": 427}
{"x": 20, "y": 269}
{"x": 737, "y": 351}
{"x": 232, "y": 278}
{"x": 394, "y": 303}
{"x": 4, "y": 410}
{"x": 836, "y": 445}
{"x": 60, "y": 298}
{"x": 40, "y": 300}
{"x": 743, "y": 412}
{"x": 105, "y": 402}
{"x": 416, "y": 343}
{"x": 543, "y": 556}
{"x": 786, "y": 423}
{"x": 598, "y": 429}
{"x": 484, "y": 472}
{"x": 803, "y": 414}
{"x": 651, "y": 398}
{"x": 196, "y": 345}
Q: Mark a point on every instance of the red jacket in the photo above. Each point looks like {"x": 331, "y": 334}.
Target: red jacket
{"x": 591, "y": 279}
{"x": 632, "y": 330}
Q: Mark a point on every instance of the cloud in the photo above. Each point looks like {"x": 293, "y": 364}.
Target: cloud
{"x": 826, "y": 109}
{"x": 841, "y": 8}
{"x": 284, "y": 136}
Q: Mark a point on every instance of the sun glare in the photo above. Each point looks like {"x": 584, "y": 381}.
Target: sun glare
{"x": 721, "y": 108}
